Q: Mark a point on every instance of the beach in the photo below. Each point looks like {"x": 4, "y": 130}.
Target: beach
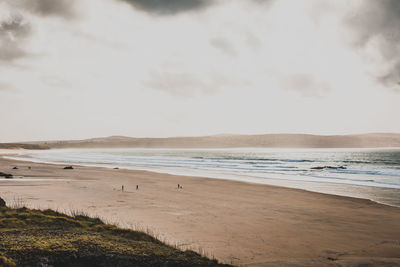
{"x": 235, "y": 222}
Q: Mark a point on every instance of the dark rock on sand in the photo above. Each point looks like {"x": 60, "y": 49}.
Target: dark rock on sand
{"x": 317, "y": 168}
{"x": 15, "y": 168}
{"x": 2, "y": 202}
{"x": 328, "y": 167}
{"x": 6, "y": 175}
{"x": 68, "y": 168}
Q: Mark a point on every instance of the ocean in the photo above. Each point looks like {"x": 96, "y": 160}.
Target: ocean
{"x": 366, "y": 173}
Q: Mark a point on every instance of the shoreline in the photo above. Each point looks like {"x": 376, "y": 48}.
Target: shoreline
{"x": 339, "y": 185}
{"x": 237, "y": 222}
{"x": 165, "y": 173}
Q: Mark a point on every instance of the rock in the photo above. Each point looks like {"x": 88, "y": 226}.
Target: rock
{"x": 333, "y": 167}
{"x": 116, "y": 168}
{"x": 2, "y": 203}
{"x": 15, "y": 168}
{"x": 6, "y": 175}
{"x": 317, "y": 168}
{"x": 328, "y": 167}
{"x": 68, "y": 168}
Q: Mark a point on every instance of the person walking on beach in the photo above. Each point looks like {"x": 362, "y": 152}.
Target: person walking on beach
{"x": 137, "y": 187}
{"x": 122, "y": 188}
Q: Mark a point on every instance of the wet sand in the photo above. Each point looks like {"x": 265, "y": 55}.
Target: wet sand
{"x": 236, "y": 222}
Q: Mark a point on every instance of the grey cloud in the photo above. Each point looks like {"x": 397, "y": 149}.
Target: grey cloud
{"x": 16, "y": 26}
{"x": 183, "y": 84}
{"x": 380, "y": 21}
{"x": 376, "y": 18}
{"x": 253, "y": 41}
{"x": 392, "y": 79}
{"x": 13, "y": 32}
{"x": 169, "y": 7}
{"x": 224, "y": 46}
{"x": 188, "y": 84}
{"x": 305, "y": 84}
{"x": 61, "y": 8}
{"x": 172, "y": 7}
{"x": 6, "y": 87}
{"x": 264, "y": 2}
{"x": 55, "y": 81}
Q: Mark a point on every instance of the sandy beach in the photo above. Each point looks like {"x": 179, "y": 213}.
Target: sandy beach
{"x": 236, "y": 222}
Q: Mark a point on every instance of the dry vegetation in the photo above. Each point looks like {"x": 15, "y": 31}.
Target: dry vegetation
{"x": 49, "y": 238}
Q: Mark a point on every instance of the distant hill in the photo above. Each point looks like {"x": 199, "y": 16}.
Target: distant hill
{"x": 371, "y": 140}
{"x": 22, "y": 146}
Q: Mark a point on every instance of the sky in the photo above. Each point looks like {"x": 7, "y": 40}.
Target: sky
{"x": 74, "y": 69}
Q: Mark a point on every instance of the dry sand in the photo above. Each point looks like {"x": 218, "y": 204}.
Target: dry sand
{"x": 236, "y": 222}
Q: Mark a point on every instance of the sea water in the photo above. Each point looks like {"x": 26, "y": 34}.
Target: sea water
{"x": 367, "y": 173}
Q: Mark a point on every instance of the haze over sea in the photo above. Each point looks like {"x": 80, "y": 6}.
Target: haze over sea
{"x": 367, "y": 173}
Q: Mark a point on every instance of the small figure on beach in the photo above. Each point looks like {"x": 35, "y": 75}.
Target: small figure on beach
{"x": 29, "y": 167}
{"x": 137, "y": 187}
{"x": 179, "y": 186}
{"x": 122, "y": 188}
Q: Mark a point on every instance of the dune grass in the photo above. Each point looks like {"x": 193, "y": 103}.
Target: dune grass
{"x": 31, "y": 237}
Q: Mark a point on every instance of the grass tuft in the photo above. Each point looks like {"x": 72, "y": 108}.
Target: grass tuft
{"x": 6, "y": 262}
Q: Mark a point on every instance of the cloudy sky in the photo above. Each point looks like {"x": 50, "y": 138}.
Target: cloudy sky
{"x": 87, "y": 68}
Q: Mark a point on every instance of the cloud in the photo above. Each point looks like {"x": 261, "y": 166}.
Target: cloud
{"x": 392, "y": 78}
{"x": 13, "y": 32}
{"x": 189, "y": 84}
{"x": 6, "y": 87}
{"x": 183, "y": 84}
{"x": 264, "y": 2}
{"x": 223, "y": 45}
{"x": 253, "y": 41}
{"x": 378, "y": 23}
{"x": 305, "y": 84}
{"x": 61, "y": 8}
{"x": 54, "y": 81}
{"x": 169, "y": 7}
{"x": 172, "y": 7}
